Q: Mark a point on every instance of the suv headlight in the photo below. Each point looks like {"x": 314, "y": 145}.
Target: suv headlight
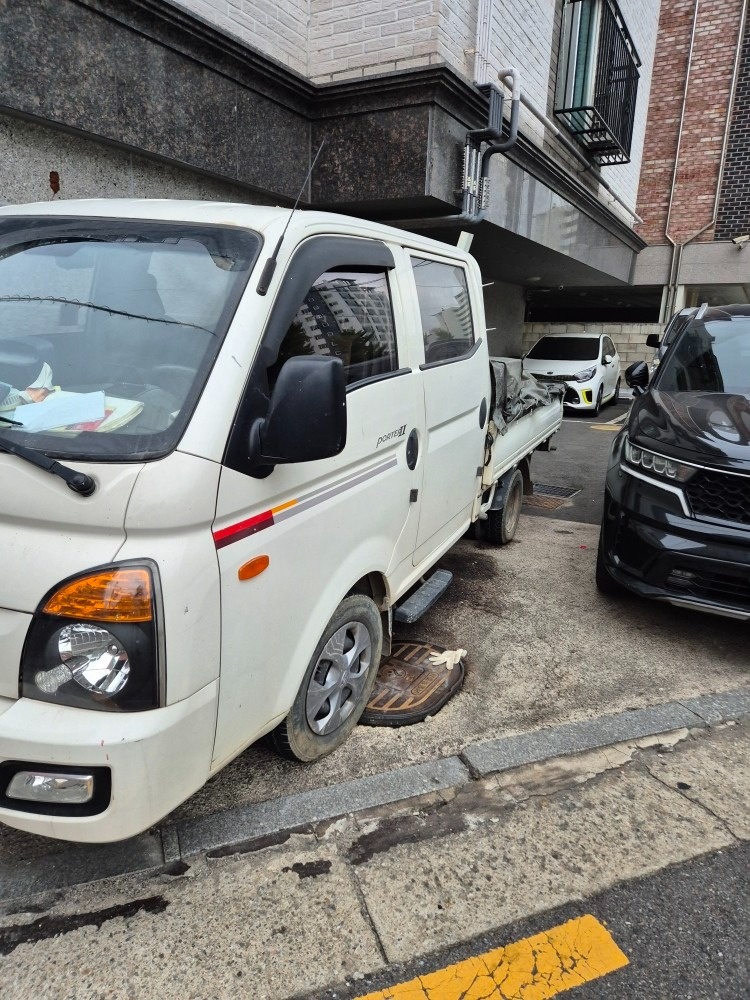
{"x": 658, "y": 464}
{"x": 584, "y": 376}
{"x": 93, "y": 642}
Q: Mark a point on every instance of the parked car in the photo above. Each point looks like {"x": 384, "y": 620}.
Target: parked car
{"x": 588, "y": 364}
{"x": 232, "y": 441}
{"x": 675, "y": 326}
{"x": 676, "y": 523}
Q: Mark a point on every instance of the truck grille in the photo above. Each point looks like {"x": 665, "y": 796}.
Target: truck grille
{"x": 718, "y": 495}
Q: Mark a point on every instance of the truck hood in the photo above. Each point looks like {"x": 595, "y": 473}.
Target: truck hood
{"x": 48, "y": 533}
{"x": 710, "y": 428}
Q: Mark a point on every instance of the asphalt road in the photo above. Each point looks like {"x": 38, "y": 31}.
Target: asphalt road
{"x": 579, "y": 463}
{"x": 685, "y": 933}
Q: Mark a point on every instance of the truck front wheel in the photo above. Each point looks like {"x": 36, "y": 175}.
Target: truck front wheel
{"x": 337, "y": 684}
{"x": 502, "y": 524}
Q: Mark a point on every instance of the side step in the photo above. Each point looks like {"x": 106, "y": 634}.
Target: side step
{"x": 422, "y": 600}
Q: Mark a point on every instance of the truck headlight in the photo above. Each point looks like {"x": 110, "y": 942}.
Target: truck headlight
{"x": 658, "y": 464}
{"x": 585, "y": 375}
{"x": 93, "y": 642}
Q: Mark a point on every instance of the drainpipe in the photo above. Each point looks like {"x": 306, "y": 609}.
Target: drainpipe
{"x": 475, "y": 207}
{"x": 724, "y": 145}
{"x": 477, "y": 166}
{"x": 571, "y": 147}
{"x": 674, "y": 261}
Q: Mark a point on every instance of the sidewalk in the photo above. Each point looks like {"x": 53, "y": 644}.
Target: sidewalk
{"x": 337, "y": 904}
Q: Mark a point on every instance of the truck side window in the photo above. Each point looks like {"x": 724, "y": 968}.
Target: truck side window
{"x": 445, "y": 309}
{"x": 346, "y": 314}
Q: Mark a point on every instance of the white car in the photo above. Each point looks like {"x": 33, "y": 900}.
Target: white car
{"x": 588, "y": 364}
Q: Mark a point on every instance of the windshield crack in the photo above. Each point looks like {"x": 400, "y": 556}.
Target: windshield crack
{"x": 107, "y": 309}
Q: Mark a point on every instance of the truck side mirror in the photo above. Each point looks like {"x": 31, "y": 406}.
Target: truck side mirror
{"x": 653, "y": 340}
{"x": 637, "y": 377}
{"x": 306, "y": 418}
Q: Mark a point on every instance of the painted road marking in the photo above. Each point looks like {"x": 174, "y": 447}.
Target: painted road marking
{"x": 534, "y": 968}
{"x": 604, "y": 427}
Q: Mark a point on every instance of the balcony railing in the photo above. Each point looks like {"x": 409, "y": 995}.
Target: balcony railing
{"x": 597, "y": 79}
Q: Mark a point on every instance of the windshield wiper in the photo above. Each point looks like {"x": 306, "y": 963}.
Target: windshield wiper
{"x": 7, "y": 420}
{"x": 79, "y": 482}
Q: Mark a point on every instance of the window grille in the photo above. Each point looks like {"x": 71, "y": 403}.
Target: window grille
{"x": 597, "y": 80}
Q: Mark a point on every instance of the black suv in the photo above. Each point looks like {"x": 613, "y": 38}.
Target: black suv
{"x": 676, "y": 524}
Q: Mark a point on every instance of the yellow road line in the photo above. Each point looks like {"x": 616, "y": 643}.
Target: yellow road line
{"x": 605, "y": 427}
{"x": 535, "y": 968}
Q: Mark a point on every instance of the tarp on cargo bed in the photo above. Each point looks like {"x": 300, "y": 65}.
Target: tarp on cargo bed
{"x": 515, "y": 392}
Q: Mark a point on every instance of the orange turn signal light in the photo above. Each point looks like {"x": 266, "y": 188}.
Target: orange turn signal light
{"x": 253, "y": 568}
{"x": 113, "y": 595}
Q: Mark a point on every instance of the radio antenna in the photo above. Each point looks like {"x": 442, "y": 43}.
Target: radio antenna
{"x": 270, "y": 265}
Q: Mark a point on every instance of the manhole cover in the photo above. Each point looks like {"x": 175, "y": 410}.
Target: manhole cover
{"x": 546, "y": 503}
{"x": 409, "y": 687}
{"x": 540, "y": 489}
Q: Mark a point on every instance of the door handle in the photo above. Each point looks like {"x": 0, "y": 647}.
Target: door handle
{"x": 412, "y": 449}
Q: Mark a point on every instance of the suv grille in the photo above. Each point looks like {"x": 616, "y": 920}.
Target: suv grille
{"x": 724, "y": 588}
{"x": 718, "y": 495}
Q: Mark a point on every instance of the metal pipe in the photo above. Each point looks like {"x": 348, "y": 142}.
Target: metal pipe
{"x": 473, "y": 216}
{"x": 682, "y": 121}
{"x": 727, "y": 125}
{"x": 674, "y": 258}
{"x": 675, "y": 273}
{"x": 571, "y": 147}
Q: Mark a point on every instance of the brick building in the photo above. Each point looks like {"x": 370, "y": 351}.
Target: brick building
{"x": 694, "y": 194}
{"x": 229, "y": 99}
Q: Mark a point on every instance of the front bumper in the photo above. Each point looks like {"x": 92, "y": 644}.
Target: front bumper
{"x": 580, "y": 395}
{"x": 654, "y": 547}
{"x": 155, "y": 759}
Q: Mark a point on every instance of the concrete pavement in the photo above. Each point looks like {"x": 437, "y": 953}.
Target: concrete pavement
{"x": 545, "y": 649}
{"x": 340, "y": 909}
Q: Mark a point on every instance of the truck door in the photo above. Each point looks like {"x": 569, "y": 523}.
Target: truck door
{"x": 317, "y": 526}
{"x": 455, "y": 380}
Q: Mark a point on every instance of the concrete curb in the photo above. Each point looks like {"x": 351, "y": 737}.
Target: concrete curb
{"x": 575, "y": 737}
{"x": 151, "y": 851}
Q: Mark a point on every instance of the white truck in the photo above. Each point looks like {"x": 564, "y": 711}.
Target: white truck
{"x": 232, "y": 439}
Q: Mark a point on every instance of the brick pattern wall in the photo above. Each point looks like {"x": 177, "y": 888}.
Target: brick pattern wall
{"x": 642, "y": 19}
{"x": 349, "y": 40}
{"x": 708, "y": 89}
{"x": 330, "y": 40}
{"x": 277, "y": 28}
{"x": 628, "y": 338}
{"x": 734, "y": 207}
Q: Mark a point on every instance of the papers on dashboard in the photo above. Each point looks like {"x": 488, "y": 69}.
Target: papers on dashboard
{"x": 60, "y": 409}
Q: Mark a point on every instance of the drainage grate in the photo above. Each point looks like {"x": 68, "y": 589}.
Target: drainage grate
{"x": 547, "y": 503}
{"x": 540, "y": 489}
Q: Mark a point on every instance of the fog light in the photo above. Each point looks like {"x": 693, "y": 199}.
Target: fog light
{"x": 37, "y": 786}
{"x": 681, "y": 578}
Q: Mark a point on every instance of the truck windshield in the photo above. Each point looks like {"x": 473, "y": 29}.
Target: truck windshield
{"x": 710, "y": 357}
{"x": 565, "y": 349}
{"x": 108, "y": 329}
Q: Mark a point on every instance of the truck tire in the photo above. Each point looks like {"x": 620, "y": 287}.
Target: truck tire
{"x": 502, "y": 524}
{"x": 337, "y": 683}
